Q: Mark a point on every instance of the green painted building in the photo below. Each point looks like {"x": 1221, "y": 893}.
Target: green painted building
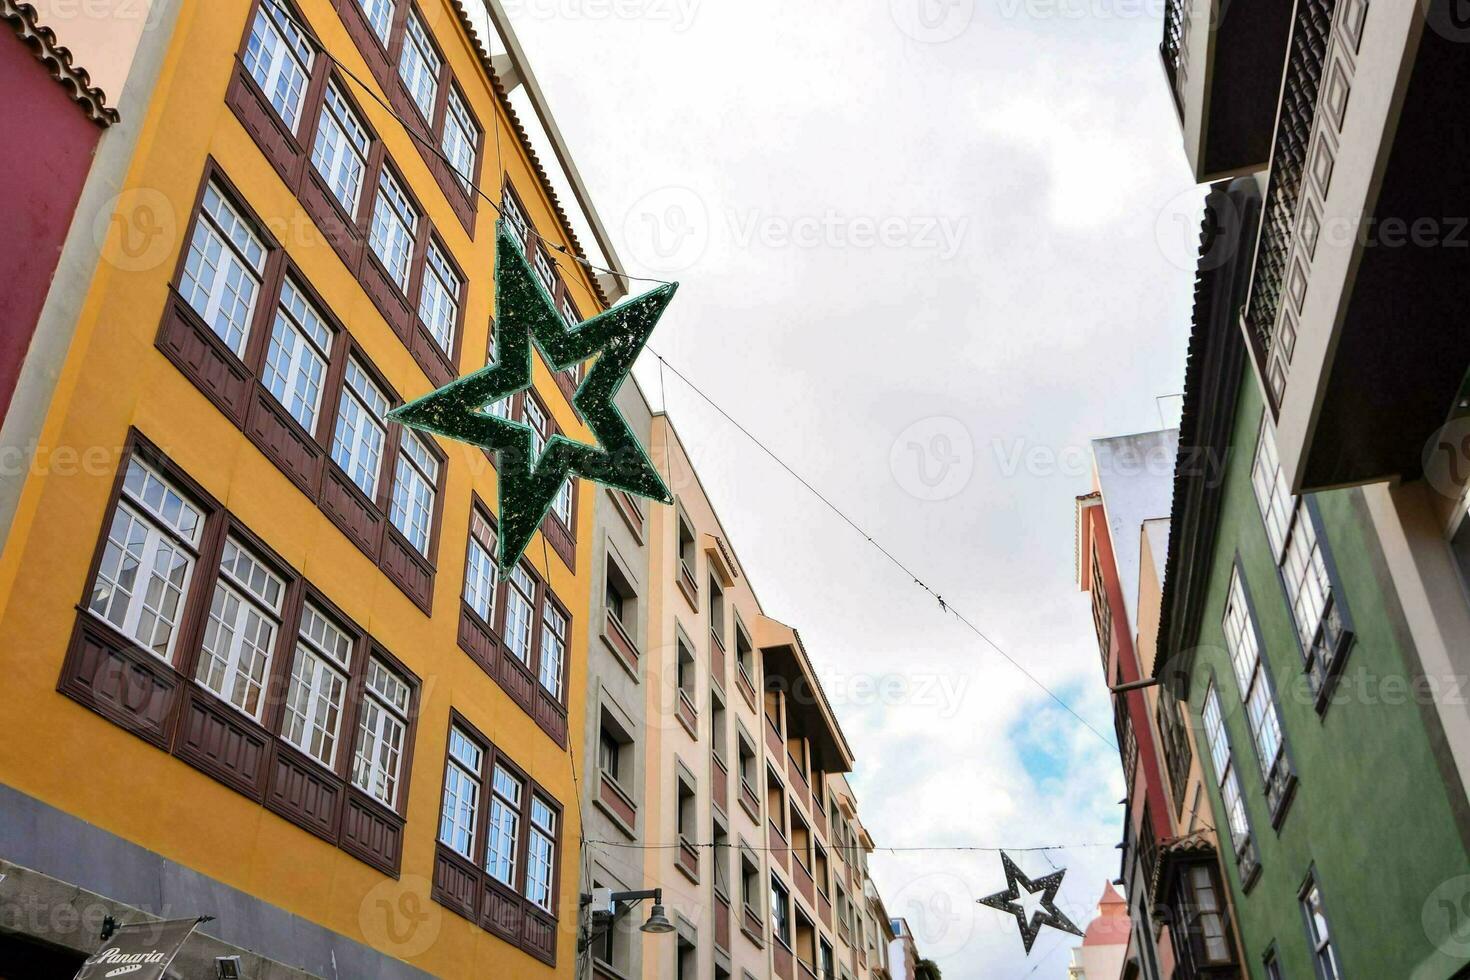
{"x": 1319, "y": 729}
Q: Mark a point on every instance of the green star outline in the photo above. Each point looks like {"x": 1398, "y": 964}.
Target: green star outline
{"x": 524, "y": 312}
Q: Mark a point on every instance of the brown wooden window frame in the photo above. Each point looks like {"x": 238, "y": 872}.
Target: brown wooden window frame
{"x": 348, "y": 234}
{"x": 465, "y": 887}
{"x": 236, "y": 386}
{"x": 484, "y": 644}
{"x": 161, "y": 700}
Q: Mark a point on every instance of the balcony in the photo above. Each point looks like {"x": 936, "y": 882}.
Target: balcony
{"x": 805, "y": 886}
{"x": 616, "y": 637}
{"x": 750, "y": 801}
{"x": 720, "y": 783}
{"x": 780, "y": 849}
{"x": 1222, "y": 62}
{"x": 717, "y": 658}
{"x": 722, "y": 922}
{"x": 615, "y": 799}
{"x": 686, "y": 713}
{"x": 688, "y": 858}
{"x": 800, "y": 789}
{"x": 775, "y": 744}
{"x": 1359, "y": 285}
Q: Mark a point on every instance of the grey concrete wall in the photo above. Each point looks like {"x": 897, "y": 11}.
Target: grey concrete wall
{"x": 63, "y": 874}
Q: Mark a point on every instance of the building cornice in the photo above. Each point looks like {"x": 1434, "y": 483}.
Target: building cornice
{"x": 1211, "y": 388}
{"x": 24, "y": 20}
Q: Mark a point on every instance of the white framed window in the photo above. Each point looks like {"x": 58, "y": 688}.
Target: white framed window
{"x": 505, "y": 822}
{"x": 511, "y": 211}
{"x": 461, "y": 805}
{"x": 1225, "y": 774}
{"x": 534, "y": 417}
{"x": 541, "y": 855}
{"x": 418, "y": 66}
{"x": 1293, "y": 538}
{"x": 520, "y": 601}
{"x": 357, "y": 442}
{"x": 296, "y": 359}
{"x": 461, "y": 137}
{"x": 394, "y": 225}
{"x": 414, "y": 480}
{"x": 340, "y": 151}
{"x": 561, "y": 504}
{"x": 379, "y": 15}
{"x": 519, "y": 607}
{"x": 381, "y": 728}
{"x": 318, "y": 685}
{"x": 573, "y": 320}
{"x": 545, "y": 270}
{"x": 439, "y": 298}
{"x": 553, "y": 648}
{"x": 223, "y": 269}
{"x": 1318, "y": 932}
{"x": 1245, "y": 655}
{"x": 480, "y": 574}
{"x": 279, "y": 57}
{"x": 147, "y": 561}
{"x": 240, "y": 635}
{"x": 1211, "y": 914}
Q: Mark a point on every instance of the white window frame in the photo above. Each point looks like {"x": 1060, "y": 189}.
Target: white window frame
{"x": 541, "y": 854}
{"x": 505, "y": 825}
{"x": 298, "y": 355}
{"x": 1225, "y": 774}
{"x": 224, "y": 269}
{"x": 382, "y": 731}
{"x": 419, "y": 66}
{"x": 279, "y": 57}
{"x": 458, "y": 816}
{"x": 415, "y": 486}
{"x": 339, "y": 152}
{"x": 172, "y": 525}
{"x": 553, "y": 649}
{"x": 1319, "y": 932}
{"x": 1262, "y": 713}
{"x": 393, "y": 230}
{"x": 460, "y": 141}
{"x": 511, "y": 211}
{"x": 439, "y": 296}
{"x": 244, "y": 612}
{"x": 360, "y": 434}
{"x": 379, "y": 15}
{"x": 481, "y": 575}
{"x": 520, "y": 589}
{"x": 314, "y": 704}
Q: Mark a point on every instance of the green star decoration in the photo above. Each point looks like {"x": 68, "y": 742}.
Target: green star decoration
{"x": 460, "y": 410}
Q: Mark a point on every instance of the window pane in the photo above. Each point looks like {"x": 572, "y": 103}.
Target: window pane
{"x": 415, "y": 476}
{"x": 393, "y": 227}
{"x": 480, "y": 574}
{"x": 418, "y": 66}
{"x": 518, "y": 609}
{"x": 439, "y": 299}
{"x": 461, "y": 804}
{"x": 460, "y": 137}
{"x": 341, "y": 149}
{"x": 318, "y": 685}
{"x": 357, "y": 443}
{"x": 505, "y": 805}
{"x": 553, "y": 648}
{"x": 222, "y": 271}
{"x": 239, "y": 636}
{"x": 379, "y": 754}
{"x": 539, "y": 864}
{"x": 296, "y": 360}
{"x": 379, "y": 16}
{"x": 278, "y": 56}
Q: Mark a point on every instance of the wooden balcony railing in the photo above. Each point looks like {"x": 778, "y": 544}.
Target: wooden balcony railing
{"x": 1296, "y": 115}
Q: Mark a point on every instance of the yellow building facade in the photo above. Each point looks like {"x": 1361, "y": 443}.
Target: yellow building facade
{"x": 257, "y": 665}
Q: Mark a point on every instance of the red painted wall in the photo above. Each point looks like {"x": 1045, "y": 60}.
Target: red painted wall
{"x": 46, "y": 147}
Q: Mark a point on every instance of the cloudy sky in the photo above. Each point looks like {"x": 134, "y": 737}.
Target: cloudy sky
{"x": 927, "y": 250}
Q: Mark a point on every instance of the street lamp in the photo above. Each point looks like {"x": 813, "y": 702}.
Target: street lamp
{"x": 608, "y": 905}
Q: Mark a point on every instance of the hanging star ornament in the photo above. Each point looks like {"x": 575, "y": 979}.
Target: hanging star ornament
{"x": 1007, "y": 901}
{"x": 524, "y": 313}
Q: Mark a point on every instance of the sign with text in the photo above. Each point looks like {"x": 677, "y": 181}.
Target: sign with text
{"x": 140, "y": 951}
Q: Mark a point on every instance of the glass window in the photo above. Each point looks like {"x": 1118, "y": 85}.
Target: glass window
{"x": 505, "y": 821}
{"x": 340, "y": 151}
{"x": 296, "y": 360}
{"x": 414, "y": 480}
{"x": 222, "y": 271}
{"x": 480, "y": 574}
{"x": 1319, "y": 934}
{"x": 780, "y": 914}
{"x": 511, "y": 211}
{"x": 545, "y": 270}
{"x": 519, "y": 606}
{"x": 147, "y": 560}
{"x": 395, "y": 222}
{"x": 1245, "y": 655}
{"x": 357, "y": 443}
{"x": 239, "y": 637}
{"x": 382, "y": 726}
{"x": 541, "y": 857}
{"x": 1294, "y": 541}
{"x": 439, "y": 298}
{"x": 318, "y": 686}
{"x": 379, "y": 15}
{"x": 1225, "y": 771}
{"x": 553, "y": 648}
{"x": 418, "y": 66}
{"x": 460, "y": 139}
{"x": 461, "y": 794}
{"x": 279, "y": 58}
